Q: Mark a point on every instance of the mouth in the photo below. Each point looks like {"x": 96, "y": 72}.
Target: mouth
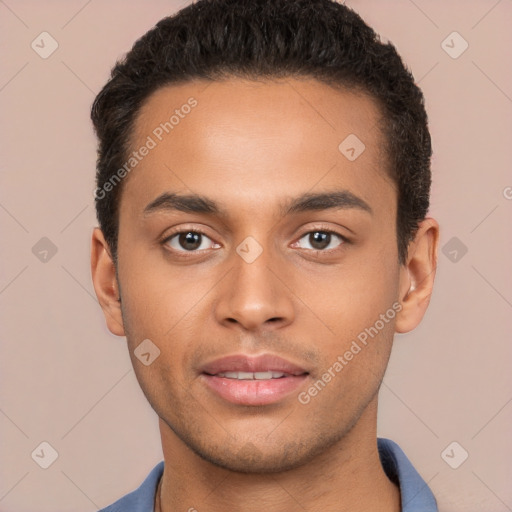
{"x": 253, "y": 375}
{"x": 247, "y": 380}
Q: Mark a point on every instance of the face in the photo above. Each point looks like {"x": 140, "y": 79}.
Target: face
{"x": 255, "y": 254}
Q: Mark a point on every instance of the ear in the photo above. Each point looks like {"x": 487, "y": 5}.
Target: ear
{"x": 105, "y": 282}
{"x": 417, "y": 276}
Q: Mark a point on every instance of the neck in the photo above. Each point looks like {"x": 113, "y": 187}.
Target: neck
{"x": 346, "y": 477}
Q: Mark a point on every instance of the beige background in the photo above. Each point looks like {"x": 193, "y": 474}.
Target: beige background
{"x": 67, "y": 381}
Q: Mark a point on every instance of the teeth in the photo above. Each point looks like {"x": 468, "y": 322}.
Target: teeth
{"x": 252, "y": 375}
{"x": 262, "y": 375}
{"x": 229, "y": 375}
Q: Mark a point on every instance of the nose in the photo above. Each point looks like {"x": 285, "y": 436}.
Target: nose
{"x": 255, "y": 295}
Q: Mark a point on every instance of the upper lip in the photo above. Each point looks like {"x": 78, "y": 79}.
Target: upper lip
{"x": 245, "y": 363}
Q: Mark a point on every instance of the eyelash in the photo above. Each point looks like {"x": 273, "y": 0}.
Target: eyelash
{"x": 189, "y": 254}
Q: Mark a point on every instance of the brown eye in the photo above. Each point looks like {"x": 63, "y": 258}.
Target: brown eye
{"x": 189, "y": 241}
{"x": 321, "y": 240}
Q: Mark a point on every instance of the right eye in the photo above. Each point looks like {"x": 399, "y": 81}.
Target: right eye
{"x": 189, "y": 241}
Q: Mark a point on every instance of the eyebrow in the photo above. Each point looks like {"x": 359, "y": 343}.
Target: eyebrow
{"x": 195, "y": 203}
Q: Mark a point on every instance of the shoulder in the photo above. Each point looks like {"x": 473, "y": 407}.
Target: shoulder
{"x": 143, "y": 498}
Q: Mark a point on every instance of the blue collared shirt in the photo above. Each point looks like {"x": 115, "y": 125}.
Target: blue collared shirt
{"x": 415, "y": 493}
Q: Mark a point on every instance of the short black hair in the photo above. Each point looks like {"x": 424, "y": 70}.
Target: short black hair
{"x": 268, "y": 39}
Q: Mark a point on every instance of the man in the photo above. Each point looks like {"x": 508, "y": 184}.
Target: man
{"x": 263, "y": 183}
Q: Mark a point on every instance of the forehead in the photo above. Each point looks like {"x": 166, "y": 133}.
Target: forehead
{"x": 258, "y": 138}
{"x": 264, "y": 105}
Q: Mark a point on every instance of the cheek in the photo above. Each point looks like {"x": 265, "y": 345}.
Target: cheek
{"x": 353, "y": 298}
{"x": 357, "y": 305}
{"x": 163, "y": 305}
{"x": 155, "y": 295}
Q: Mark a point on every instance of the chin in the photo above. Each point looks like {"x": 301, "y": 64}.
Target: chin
{"x": 253, "y": 463}
{"x": 250, "y": 459}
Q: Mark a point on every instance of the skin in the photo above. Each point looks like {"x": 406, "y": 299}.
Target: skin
{"x": 250, "y": 147}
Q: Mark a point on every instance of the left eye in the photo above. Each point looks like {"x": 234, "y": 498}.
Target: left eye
{"x": 322, "y": 240}
{"x": 189, "y": 241}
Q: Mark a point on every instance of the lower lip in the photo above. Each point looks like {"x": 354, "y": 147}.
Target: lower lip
{"x": 254, "y": 392}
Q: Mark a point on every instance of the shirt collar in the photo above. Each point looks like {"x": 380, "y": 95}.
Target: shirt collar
{"x": 415, "y": 493}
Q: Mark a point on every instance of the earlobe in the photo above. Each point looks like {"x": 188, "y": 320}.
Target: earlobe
{"x": 417, "y": 276}
{"x": 105, "y": 282}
